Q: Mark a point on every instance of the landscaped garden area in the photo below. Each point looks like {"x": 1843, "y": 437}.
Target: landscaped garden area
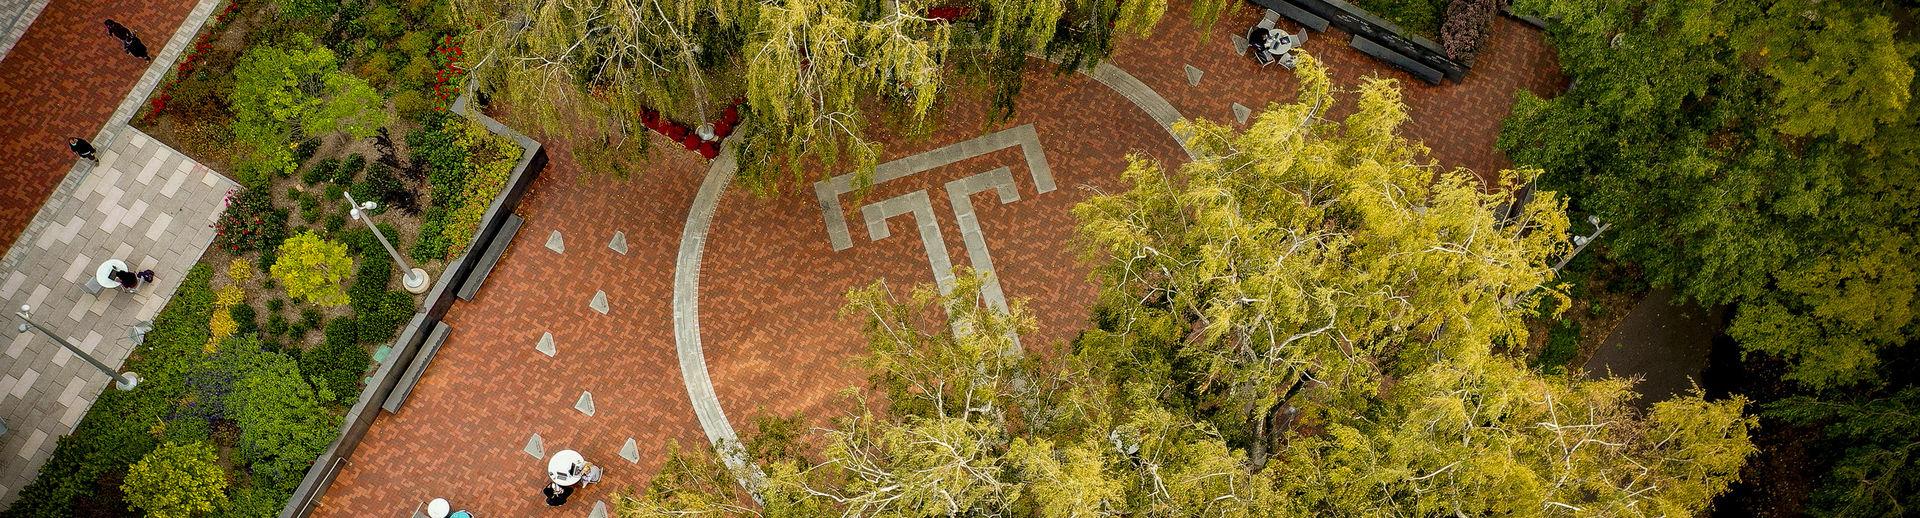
{"x": 248, "y": 370}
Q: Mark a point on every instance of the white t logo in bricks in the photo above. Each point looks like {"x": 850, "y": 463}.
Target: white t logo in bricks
{"x": 959, "y": 195}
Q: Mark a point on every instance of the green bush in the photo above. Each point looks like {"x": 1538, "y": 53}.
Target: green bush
{"x": 186, "y": 430}
{"x": 343, "y": 331}
{"x": 177, "y": 481}
{"x": 321, "y": 171}
{"x": 283, "y": 425}
{"x": 251, "y": 222}
{"x": 349, "y": 168}
{"x": 245, "y": 318}
{"x": 338, "y": 367}
{"x": 334, "y": 222}
{"x": 310, "y": 317}
{"x": 274, "y": 304}
{"x": 379, "y": 184}
{"x": 276, "y": 325}
{"x": 313, "y": 268}
{"x": 413, "y": 105}
{"x": 395, "y": 308}
{"x": 1563, "y": 343}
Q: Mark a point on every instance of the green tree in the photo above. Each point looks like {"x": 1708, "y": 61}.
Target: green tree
{"x": 809, "y": 71}
{"x": 314, "y": 269}
{"x": 278, "y": 89}
{"x": 177, "y": 481}
{"x": 1312, "y": 253}
{"x": 1878, "y": 469}
{"x": 1771, "y": 162}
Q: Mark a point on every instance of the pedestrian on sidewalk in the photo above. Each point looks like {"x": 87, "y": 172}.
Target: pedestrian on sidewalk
{"x": 128, "y": 41}
{"x": 81, "y": 147}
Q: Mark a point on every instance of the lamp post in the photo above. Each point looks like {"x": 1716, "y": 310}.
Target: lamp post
{"x": 124, "y": 381}
{"x": 416, "y": 279}
{"x": 1581, "y": 242}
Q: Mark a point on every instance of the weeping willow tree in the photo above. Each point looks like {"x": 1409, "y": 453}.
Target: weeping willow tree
{"x": 811, "y": 72}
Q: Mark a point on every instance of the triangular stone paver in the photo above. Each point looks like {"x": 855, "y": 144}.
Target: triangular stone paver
{"x": 585, "y": 404}
{"x": 599, "y": 302}
{"x": 546, "y": 345}
{"x": 631, "y": 451}
{"x": 619, "y": 243}
{"x": 535, "y": 447}
{"x": 555, "y": 243}
{"x": 1241, "y": 112}
{"x": 599, "y": 510}
{"x": 1193, "y": 76}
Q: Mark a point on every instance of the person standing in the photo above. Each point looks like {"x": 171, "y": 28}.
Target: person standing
{"x": 128, "y": 41}
{"x": 81, "y": 147}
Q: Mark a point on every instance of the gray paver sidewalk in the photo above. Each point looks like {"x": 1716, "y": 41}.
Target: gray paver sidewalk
{"x": 145, "y": 204}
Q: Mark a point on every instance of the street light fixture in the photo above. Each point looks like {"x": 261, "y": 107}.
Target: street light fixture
{"x": 124, "y": 381}
{"x": 416, "y": 279}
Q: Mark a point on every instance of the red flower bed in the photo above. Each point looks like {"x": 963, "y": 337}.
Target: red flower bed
{"x": 190, "y": 61}
{"x": 690, "y": 139}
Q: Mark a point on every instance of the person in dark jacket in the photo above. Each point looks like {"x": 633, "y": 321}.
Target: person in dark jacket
{"x": 128, "y": 41}
{"x": 81, "y": 147}
{"x": 556, "y": 494}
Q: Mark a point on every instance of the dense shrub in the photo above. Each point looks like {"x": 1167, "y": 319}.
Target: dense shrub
{"x": 393, "y": 310}
{"x": 177, "y": 481}
{"x": 1466, "y": 27}
{"x": 245, "y": 319}
{"x": 1419, "y": 16}
{"x": 338, "y": 367}
{"x": 294, "y": 86}
{"x": 313, "y": 268}
{"x": 276, "y": 324}
{"x": 381, "y": 185}
{"x": 251, "y": 222}
{"x": 1563, "y": 343}
{"x": 349, "y": 168}
{"x": 283, "y": 426}
{"x": 310, "y": 317}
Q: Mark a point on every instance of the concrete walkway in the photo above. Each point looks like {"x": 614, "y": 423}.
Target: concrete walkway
{"x": 147, "y": 205}
{"x": 144, "y": 204}
{"x": 1663, "y": 344}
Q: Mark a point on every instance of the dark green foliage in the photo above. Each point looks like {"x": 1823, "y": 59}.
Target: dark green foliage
{"x": 251, "y": 222}
{"x": 393, "y": 309}
{"x": 349, "y": 168}
{"x": 380, "y": 184}
{"x": 1420, "y": 16}
{"x": 274, "y": 304}
{"x": 338, "y": 367}
{"x": 310, "y": 317}
{"x": 321, "y": 171}
{"x": 334, "y": 222}
{"x": 276, "y": 324}
{"x": 343, "y": 331}
{"x": 1878, "y": 441}
{"x": 305, "y": 149}
{"x": 245, "y": 318}
{"x": 1563, "y": 342}
{"x": 266, "y": 265}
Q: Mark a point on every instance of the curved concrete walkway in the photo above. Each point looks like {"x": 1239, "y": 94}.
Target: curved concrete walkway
{"x": 693, "y": 238}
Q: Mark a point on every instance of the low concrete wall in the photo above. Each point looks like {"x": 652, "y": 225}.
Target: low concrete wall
{"x": 533, "y": 159}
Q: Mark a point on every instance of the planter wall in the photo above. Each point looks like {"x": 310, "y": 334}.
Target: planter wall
{"x": 408, "y": 344}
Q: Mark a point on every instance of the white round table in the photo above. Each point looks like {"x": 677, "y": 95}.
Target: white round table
{"x": 566, "y": 466}
{"x": 104, "y": 274}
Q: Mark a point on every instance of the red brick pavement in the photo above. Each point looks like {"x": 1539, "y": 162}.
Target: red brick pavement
{"x": 772, "y": 284}
{"x": 63, "y": 79}
{"x": 461, "y": 433}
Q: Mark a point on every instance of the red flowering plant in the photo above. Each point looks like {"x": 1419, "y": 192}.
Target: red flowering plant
{"x": 687, "y": 137}
{"x": 190, "y": 61}
{"x": 251, "y": 222}
{"x": 449, "y": 74}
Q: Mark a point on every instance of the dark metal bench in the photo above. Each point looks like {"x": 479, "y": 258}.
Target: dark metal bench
{"x": 1396, "y": 59}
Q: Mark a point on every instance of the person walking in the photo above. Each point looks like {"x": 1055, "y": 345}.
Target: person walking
{"x": 81, "y": 147}
{"x": 128, "y": 41}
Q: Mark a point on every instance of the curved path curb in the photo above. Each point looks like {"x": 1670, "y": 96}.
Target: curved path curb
{"x": 693, "y": 242}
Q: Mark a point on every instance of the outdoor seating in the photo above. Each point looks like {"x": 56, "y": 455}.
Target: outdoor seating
{"x": 1271, "y": 46}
